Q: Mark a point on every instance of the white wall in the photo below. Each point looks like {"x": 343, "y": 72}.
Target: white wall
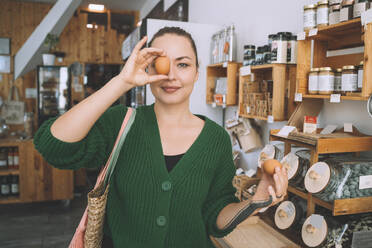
{"x": 254, "y": 21}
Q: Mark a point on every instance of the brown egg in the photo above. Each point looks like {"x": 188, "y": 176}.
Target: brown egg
{"x": 270, "y": 165}
{"x": 162, "y": 65}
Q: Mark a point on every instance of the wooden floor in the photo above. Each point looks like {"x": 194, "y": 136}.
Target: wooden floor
{"x": 39, "y": 225}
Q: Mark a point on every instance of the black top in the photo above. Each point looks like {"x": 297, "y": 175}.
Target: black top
{"x": 171, "y": 161}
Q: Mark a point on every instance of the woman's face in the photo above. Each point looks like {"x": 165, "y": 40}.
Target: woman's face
{"x": 183, "y": 72}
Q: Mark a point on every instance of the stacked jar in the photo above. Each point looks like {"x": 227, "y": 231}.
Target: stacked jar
{"x": 349, "y": 80}
{"x": 310, "y": 18}
{"x": 249, "y": 55}
{"x": 346, "y": 12}
{"x": 223, "y": 46}
{"x": 326, "y": 81}
{"x": 322, "y": 13}
{"x": 334, "y": 12}
{"x": 313, "y": 85}
{"x": 360, "y": 6}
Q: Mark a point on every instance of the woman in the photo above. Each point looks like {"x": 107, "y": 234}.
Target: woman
{"x": 172, "y": 185}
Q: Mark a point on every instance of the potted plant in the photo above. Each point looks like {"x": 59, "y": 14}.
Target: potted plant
{"x": 50, "y": 43}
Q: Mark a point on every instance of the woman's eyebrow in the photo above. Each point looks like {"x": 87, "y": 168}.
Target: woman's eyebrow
{"x": 183, "y": 57}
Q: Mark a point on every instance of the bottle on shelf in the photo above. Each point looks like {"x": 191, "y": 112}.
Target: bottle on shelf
{"x": 4, "y": 186}
{"x": 14, "y": 185}
{"x": 16, "y": 158}
{"x": 10, "y": 158}
{"x": 3, "y": 158}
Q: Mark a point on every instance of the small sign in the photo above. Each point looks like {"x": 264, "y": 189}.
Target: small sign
{"x": 335, "y": 98}
{"x": 286, "y": 130}
{"x": 365, "y": 182}
{"x": 270, "y": 119}
{"x": 214, "y": 105}
{"x": 245, "y": 70}
{"x": 362, "y": 239}
{"x": 310, "y": 124}
{"x": 248, "y": 109}
{"x": 329, "y": 129}
{"x": 313, "y": 32}
{"x": 31, "y": 93}
{"x": 301, "y": 36}
{"x": 348, "y": 127}
{"x": 224, "y": 65}
{"x": 316, "y": 221}
{"x": 298, "y": 97}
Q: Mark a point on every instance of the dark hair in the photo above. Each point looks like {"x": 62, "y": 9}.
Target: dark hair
{"x": 180, "y": 32}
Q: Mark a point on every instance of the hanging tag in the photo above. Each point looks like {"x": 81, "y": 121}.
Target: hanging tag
{"x": 365, "y": 182}
{"x": 313, "y": 32}
{"x": 224, "y": 65}
{"x": 270, "y": 119}
{"x": 214, "y": 105}
{"x": 245, "y": 70}
{"x": 31, "y": 93}
{"x": 335, "y": 98}
{"x": 298, "y": 97}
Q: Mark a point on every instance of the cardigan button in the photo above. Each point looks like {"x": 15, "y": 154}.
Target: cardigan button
{"x": 161, "y": 220}
{"x": 166, "y": 185}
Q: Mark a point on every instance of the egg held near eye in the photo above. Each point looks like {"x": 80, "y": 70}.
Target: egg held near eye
{"x": 162, "y": 65}
{"x": 270, "y": 165}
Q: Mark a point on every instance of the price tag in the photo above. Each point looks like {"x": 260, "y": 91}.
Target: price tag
{"x": 224, "y": 65}
{"x": 250, "y": 173}
{"x": 245, "y": 70}
{"x": 365, "y": 182}
{"x": 270, "y": 119}
{"x": 362, "y": 239}
{"x": 329, "y": 129}
{"x": 248, "y": 109}
{"x": 313, "y": 32}
{"x": 78, "y": 88}
{"x": 335, "y": 98}
{"x": 214, "y": 105}
{"x": 301, "y": 36}
{"x": 348, "y": 127}
{"x": 286, "y": 130}
{"x": 316, "y": 221}
{"x": 298, "y": 97}
{"x": 31, "y": 93}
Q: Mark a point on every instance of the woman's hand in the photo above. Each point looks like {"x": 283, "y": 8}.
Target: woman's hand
{"x": 134, "y": 71}
{"x": 275, "y": 186}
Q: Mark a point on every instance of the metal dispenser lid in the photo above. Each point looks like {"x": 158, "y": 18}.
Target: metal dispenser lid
{"x": 317, "y": 177}
{"x": 285, "y": 215}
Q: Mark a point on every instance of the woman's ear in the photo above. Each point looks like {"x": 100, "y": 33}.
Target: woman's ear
{"x": 196, "y": 76}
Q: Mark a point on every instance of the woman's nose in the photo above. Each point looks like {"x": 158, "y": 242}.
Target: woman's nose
{"x": 171, "y": 74}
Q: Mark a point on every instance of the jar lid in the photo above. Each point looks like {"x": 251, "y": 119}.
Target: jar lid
{"x": 314, "y": 70}
{"x": 271, "y": 35}
{"x": 326, "y": 69}
{"x": 311, "y": 6}
{"x": 249, "y": 47}
{"x": 317, "y": 177}
{"x": 348, "y": 67}
{"x": 339, "y": 70}
{"x": 268, "y": 152}
{"x": 311, "y": 235}
{"x": 291, "y": 163}
{"x": 266, "y": 48}
{"x": 336, "y": 7}
{"x": 347, "y": 2}
{"x": 285, "y": 215}
{"x": 322, "y": 2}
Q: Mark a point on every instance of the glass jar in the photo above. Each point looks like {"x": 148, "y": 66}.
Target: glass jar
{"x": 291, "y": 214}
{"x": 349, "y": 80}
{"x": 259, "y": 56}
{"x": 214, "y": 49}
{"x": 279, "y": 48}
{"x": 266, "y": 55}
{"x": 3, "y": 158}
{"x": 338, "y": 84}
{"x": 310, "y": 16}
{"x": 360, "y": 75}
{"x": 249, "y": 54}
{"x": 313, "y": 86}
{"x": 269, "y": 152}
{"x": 360, "y": 7}
{"x": 271, "y": 37}
{"x": 326, "y": 81}
{"x": 29, "y": 124}
{"x": 292, "y": 51}
{"x": 334, "y": 15}
{"x": 297, "y": 165}
{"x": 14, "y": 185}
{"x": 346, "y": 12}
{"x": 4, "y": 186}
{"x": 322, "y": 13}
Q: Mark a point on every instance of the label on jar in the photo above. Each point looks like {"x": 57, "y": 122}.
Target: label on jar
{"x": 349, "y": 82}
{"x": 359, "y": 8}
{"x": 16, "y": 160}
{"x": 333, "y": 2}
{"x": 274, "y": 51}
{"x": 326, "y": 82}
{"x": 345, "y": 14}
{"x": 313, "y": 83}
{"x": 338, "y": 83}
{"x": 334, "y": 18}
{"x": 322, "y": 15}
{"x": 309, "y": 19}
{"x": 15, "y": 188}
{"x": 10, "y": 160}
{"x": 360, "y": 78}
{"x": 5, "y": 189}
{"x": 282, "y": 52}
{"x": 365, "y": 182}
{"x": 3, "y": 163}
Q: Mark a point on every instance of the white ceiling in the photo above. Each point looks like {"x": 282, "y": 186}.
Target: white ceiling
{"x": 109, "y": 4}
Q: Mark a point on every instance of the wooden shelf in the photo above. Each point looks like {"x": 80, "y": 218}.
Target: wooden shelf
{"x": 228, "y": 70}
{"x": 339, "y": 29}
{"x": 9, "y": 172}
{"x": 284, "y": 79}
{"x": 352, "y": 98}
{"x": 9, "y": 200}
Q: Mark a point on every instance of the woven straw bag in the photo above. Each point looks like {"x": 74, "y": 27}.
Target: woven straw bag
{"x": 89, "y": 233}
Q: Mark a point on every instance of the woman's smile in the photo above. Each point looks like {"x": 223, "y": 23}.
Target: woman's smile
{"x": 170, "y": 89}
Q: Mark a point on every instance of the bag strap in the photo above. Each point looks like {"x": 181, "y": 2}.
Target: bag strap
{"x": 124, "y": 130}
{"x": 10, "y": 94}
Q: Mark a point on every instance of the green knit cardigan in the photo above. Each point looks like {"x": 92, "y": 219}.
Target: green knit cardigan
{"x": 147, "y": 205}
